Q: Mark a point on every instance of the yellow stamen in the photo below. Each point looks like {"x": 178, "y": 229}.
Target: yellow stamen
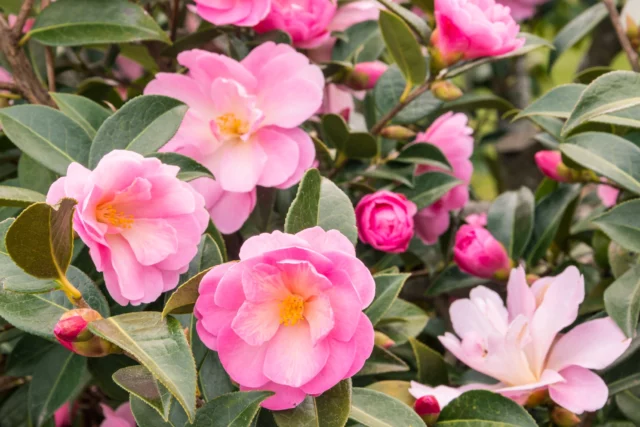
{"x": 107, "y": 214}
{"x": 229, "y": 124}
{"x": 291, "y": 310}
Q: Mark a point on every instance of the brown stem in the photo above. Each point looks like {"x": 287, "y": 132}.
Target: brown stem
{"x": 632, "y": 55}
{"x": 9, "y": 86}
{"x": 23, "y": 74}
{"x": 377, "y": 128}
{"x": 23, "y": 15}
{"x": 173, "y": 25}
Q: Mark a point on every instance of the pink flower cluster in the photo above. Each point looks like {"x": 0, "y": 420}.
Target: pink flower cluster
{"x": 288, "y": 316}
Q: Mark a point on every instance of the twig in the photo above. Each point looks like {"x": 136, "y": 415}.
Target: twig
{"x": 377, "y": 128}
{"x": 23, "y": 15}
{"x": 49, "y": 57}
{"x": 173, "y": 25}
{"x": 9, "y": 86}
{"x": 632, "y": 55}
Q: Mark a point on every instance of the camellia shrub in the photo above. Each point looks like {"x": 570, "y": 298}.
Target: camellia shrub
{"x": 258, "y": 213}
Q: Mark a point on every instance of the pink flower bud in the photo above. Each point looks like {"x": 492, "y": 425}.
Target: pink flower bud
{"x": 428, "y": 408}
{"x": 550, "y": 164}
{"x": 365, "y": 75}
{"x": 478, "y": 253}
{"x": 72, "y": 332}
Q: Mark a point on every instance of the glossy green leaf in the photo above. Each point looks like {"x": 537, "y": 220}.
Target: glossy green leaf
{"x": 382, "y": 361}
{"x": 486, "y": 407}
{"x": 102, "y": 370}
{"x": 395, "y": 388}
{"x": 622, "y": 224}
{"x": 304, "y": 210}
{"x": 357, "y": 39}
{"x": 146, "y": 416}
{"x": 27, "y": 353}
{"x": 20, "y": 197}
{"x": 189, "y": 168}
{"x": 236, "y": 409}
{"x": 33, "y": 176}
{"x": 629, "y": 405}
{"x": 429, "y": 187}
{"x": 14, "y": 279}
{"x": 590, "y": 74}
{"x": 388, "y": 287}
{"x": 510, "y": 220}
{"x": 416, "y": 23}
{"x": 361, "y": 145}
{"x": 403, "y": 47}
{"x": 14, "y": 411}
{"x": 47, "y": 135}
{"x": 213, "y": 379}
{"x": 557, "y": 102}
{"x": 608, "y": 155}
{"x": 160, "y": 345}
{"x": 622, "y": 301}
{"x": 374, "y": 409}
{"x": 75, "y": 23}
{"x": 432, "y": 369}
{"x": 143, "y": 125}
{"x": 402, "y": 175}
{"x": 452, "y": 279}
{"x": 87, "y": 113}
{"x": 335, "y": 211}
{"x": 474, "y": 101}
{"x": 403, "y": 321}
{"x": 548, "y": 215}
{"x": 423, "y": 154}
{"x": 194, "y": 40}
{"x": 330, "y": 409}
{"x": 138, "y": 381}
{"x": 184, "y": 298}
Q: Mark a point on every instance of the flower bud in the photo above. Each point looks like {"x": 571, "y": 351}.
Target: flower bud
{"x": 365, "y": 75}
{"x": 445, "y": 90}
{"x": 550, "y": 164}
{"x": 399, "y": 133}
{"x": 72, "y": 332}
{"x": 537, "y": 397}
{"x": 478, "y": 253}
{"x": 383, "y": 340}
{"x": 428, "y": 408}
{"x": 564, "y": 418}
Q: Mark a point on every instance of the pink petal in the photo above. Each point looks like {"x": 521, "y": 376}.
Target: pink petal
{"x": 326, "y": 241}
{"x": 237, "y": 167}
{"x": 301, "y": 278}
{"x": 282, "y": 153}
{"x": 264, "y": 283}
{"x": 363, "y": 339}
{"x": 346, "y": 306}
{"x": 319, "y": 314}
{"x": 151, "y": 240}
{"x": 243, "y": 362}
{"x": 520, "y": 299}
{"x": 307, "y": 155}
{"x": 267, "y": 242}
{"x": 358, "y": 273}
{"x": 285, "y": 397}
{"x": 257, "y": 323}
{"x": 341, "y": 357}
{"x": 229, "y": 293}
{"x": 583, "y": 390}
{"x": 183, "y": 88}
{"x": 430, "y": 224}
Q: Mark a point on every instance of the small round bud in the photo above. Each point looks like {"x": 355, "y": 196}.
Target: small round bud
{"x": 383, "y": 340}
{"x": 399, "y": 133}
{"x": 445, "y": 90}
{"x": 428, "y": 408}
{"x": 72, "y": 332}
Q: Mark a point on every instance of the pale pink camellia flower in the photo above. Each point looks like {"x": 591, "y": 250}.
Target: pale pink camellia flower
{"x": 608, "y": 195}
{"x": 243, "y": 117}
{"x": 141, "y": 223}
{"x": 470, "y": 29}
{"x": 121, "y": 417}
{"x": 477, "y": 219}
{"x": 478, "y": 253}
{"x": 453, "y": 137}
{"x": 242, "y": 13}
{"x": 521, "y": 346}
{"x": 306, "y": 21}
{"x": 522, "y": 9}
{"x": 385, "y": 221}
{"x": 288, "y": 317}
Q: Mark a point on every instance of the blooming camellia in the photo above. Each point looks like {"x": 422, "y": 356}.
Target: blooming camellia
{"x": 522, "y": 9}
{"x": 452, "y": 136}
{"x": 521, "y": 346}
{"x": 478, "y": 253}
{"x": 469, "y": 29}
{"x": 243, "y": 13}
{"x": 141, "y": 223}
{"x": 288, "y": 317}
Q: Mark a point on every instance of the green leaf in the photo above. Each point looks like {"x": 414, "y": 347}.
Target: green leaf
{"x": 47, "y": 135}
{"x": 510, "y": 220}
{"x": 432, "y": 369}
{"x": 492, "y": 409}
{"x": 330, "y": 409}
{"x": 33, "y": 176}
{"x": 361, "y": 145}
{"x": 402, "y": 175}
{"x": 403, "y": 321}
{"x": 547, "y": 218}
{"x": 20, "y": 197}
{"x": 14, "y": 411}
{"x": 622, "y": 224}
{"x": 184, "y": 298}
{"x": 417, "y": 24}
{"x": 146, "y": 416}
{"x": 160, "y": 345}
{"x": 374, "y": 409}
{"x": 622, "y": 301}
{"x": 629, "y": 403}
{"x": 429, "y": 187}
{"x": 214, "y": 380}
{"x": 335, "y": 131}
{"x": 87, "y": 113}
{"x": 55, "y": 379}
{"x": 102, "y": 370}
{"x": 14, "y": 279}
{"x": 424, "y": 154}
{"x": 40, "y": 241}
{"x": 194, "y": 40}
{"x": 609, "y": 155}
{"x": 304, "y": 210}
{"x": 236, "y": 409}
{"x": 577, "y": 29}
{"x": 388, "y": 288}
{"x": 612, "y": 92}
{"x": 75, "y": 23}
{"x": 452, "y": 279}
{"x": 474, "y": 101}
{"x": 335, "y": 211}
{"x": 403, "y": 47}
{"x": 557, "y": 102}
{"x": 357, "y": 39}
{"x": 382, "y": 361}
{"x": 26, "y": 355}
{"x": 395, "y": 388}
{"x": 143, "y": 125}
{"x": 138, "y": 381}
{"x": 189, "y": 168}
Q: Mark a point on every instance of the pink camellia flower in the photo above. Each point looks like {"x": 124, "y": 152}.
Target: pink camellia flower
{"x": 243, "y": 117}
{"x": 478, "y": 253}
{"x": 522, "y": 9}
{"x": 142, "y": 224}
{"x": 521, "y": 346}
{"x": 288, "y": 317}
{"x": 470, "y": 29}
{"x": 71, "y": 331}
{"x": 121, "y": 417}
{"x": 550, "y": 164}
{"x": 477, "y": 219}
{"x": 306, "y": 21}
{"x": 62, "y": 416}
{"x": 452, "y": 136}
{"x": 385, "y": 221}
{"x": 365, "y": 75}
{"x": 337, "y": 100}
{"x": 243, "y": 13}
{"x": 428, "y": 408}
{"x": 608, "y": 195}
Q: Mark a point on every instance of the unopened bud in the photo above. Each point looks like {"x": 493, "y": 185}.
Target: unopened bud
{"x": 632, "y": 31}
{"x": 538, "y": 397}
{"x": 564, "y": 418}
{"x": 550, "y": 164}
{"x": 428, "y": 408}
{"x": 445, "y": 90}
{"x": 72, "y": 332}
{"x": 383, "y": 341}
{"x": 438, "y": 60}
{"x": 399, "y": 133}
{"x": 365, "y": 75}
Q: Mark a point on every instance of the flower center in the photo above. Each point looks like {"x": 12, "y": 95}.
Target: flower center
{"x": 107, "y": 214}
{"x": 291, "y": 310}
{"x": 230, "y": 125}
